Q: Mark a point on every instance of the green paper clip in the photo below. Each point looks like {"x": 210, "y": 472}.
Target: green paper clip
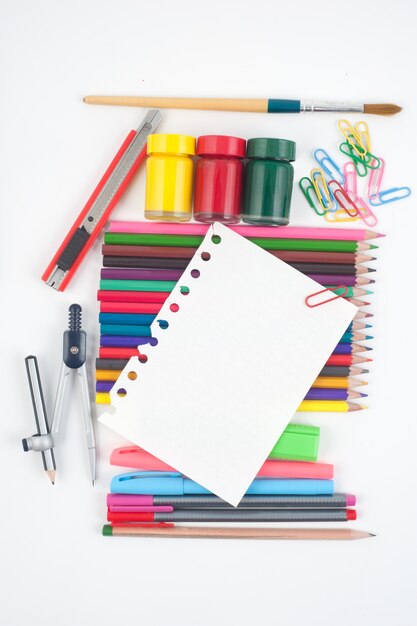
{"x": 310, "y": 195}
{"x": 370, "y": 161}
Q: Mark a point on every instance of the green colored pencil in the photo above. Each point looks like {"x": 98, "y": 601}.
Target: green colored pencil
{"x": 323, "y": 245}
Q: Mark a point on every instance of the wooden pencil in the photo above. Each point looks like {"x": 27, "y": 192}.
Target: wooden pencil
{"x": 287, "y": 232}
{"x": 213, "y": 532}
{"x": 297, "y": 256}
{"x": 164, "y": 263}
{"x": 324, "y": 245}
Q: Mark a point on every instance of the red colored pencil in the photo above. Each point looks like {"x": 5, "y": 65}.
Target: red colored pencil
{"x": 132, "y": 296}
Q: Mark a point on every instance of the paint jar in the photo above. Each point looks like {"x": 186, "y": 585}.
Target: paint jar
{"x": 219, "y": 179}
{"x": 268, "y": 181}
{"x": 169, "y": 178}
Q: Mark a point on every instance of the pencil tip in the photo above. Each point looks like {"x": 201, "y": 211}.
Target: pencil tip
{"x": 372, "y": 535}
{"x": 51, "y": 475}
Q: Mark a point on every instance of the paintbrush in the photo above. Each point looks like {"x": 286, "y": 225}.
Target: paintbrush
{"x": 257, "y": 105}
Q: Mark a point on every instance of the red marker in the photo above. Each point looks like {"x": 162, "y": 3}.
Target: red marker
{"x": 103, "y": 200}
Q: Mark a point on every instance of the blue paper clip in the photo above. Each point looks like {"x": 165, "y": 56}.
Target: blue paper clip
{"x": 328, "y": 165}
{"x": 384, "y": 197}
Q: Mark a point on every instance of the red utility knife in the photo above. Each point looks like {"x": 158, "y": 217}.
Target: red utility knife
{"x": 101, "y": 203}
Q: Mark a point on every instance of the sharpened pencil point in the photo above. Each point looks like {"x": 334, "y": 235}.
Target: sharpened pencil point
{"x": 51, "y": 476}
{"x": 372, "y": 535}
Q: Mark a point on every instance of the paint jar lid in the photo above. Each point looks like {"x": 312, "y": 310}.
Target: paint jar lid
{"x": 221, "y": 145}
{"x": 271, "y": 148}
{"x": 171, "y": 144}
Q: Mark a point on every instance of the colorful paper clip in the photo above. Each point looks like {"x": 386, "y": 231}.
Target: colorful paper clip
{"x": 351, "y": 180}
{"x": 368, "y": 161}
{"x": 375, "y": 179}
{"x": 332, "y": 290}
{"x": 384, "y": 197}
{"x": 362, "y": 130}
{"x": 328, "y": 165}
{"x": 310, "y": 195}
{"x": 342, "y": 198}
{"x": 338, "y": 216}
{"x": 352, "y": 137}
{"x": 369, "y": 218}
{"x": 320, "y": 187}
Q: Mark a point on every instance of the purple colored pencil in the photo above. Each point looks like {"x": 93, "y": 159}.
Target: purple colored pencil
{"x": 325, "y": 394}
{"x": 123, "y": 341}
{"x": 105, "y": 386}
{"x": 346, "y": 348}
{"x": 334, "y": 279}
{"x": 123, "y": 273}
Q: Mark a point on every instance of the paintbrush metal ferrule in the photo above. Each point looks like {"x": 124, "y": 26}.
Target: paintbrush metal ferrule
{"x": 310, "y": 106}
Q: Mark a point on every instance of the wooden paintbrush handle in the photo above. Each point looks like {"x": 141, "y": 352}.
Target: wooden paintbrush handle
{"x": 209, "y": 104}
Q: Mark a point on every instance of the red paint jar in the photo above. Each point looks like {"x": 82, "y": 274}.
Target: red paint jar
{"x": 219, "y": 179}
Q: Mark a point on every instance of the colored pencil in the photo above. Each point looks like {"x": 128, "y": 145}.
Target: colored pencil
{"x": 114, "y": 364}
{"x": 339, "y": 372}
{"x": 128, "y": 306}
{"x": 336, "y": 371}
{"x": 306, "y": 406}
{"x": 123, "y": 273}
{"x": 334, "y": 359}
{"x": 294, "y": 256}
{"x": 236, "y": 515}
{"x": 267, "y": 244}
{"x": 314, "y": 394}
{"x": 346, "y": 359}
{"x": 207, "y": 532}
{"x": 337, "y": 382}
{"x": 109, "y": 284}
{"x": 297, "y": 232}
{"x": 145, "y": 263}
{"x": 138, "y": 296}
{"x": 333, "y": 406}
{"x": 123, "y": 341}
{"x": 126, "y": 318}
{"x": 124, "y": 336}
{"x": 320, "y": 394}
{"x": 337, "y": 501}
{"x": 141, "y": 263}
{"x": 143, "y": 319}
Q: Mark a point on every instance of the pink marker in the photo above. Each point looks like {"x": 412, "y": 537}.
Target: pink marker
{"x": 134, "y": 457}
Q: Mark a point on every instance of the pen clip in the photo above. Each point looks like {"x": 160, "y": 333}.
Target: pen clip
{"x": 148, "y": 474}
{"x": 142, "y": 525}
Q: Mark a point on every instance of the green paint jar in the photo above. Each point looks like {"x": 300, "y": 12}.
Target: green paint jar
{"x": 268, "y": 181}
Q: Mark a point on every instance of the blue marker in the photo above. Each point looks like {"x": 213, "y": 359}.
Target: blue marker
{"x": 175, "y": 484}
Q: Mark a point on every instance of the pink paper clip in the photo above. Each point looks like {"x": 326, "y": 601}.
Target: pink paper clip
{"x": 375, "y": 179}
{"x": 364, "y": 212}
{"x": 332, "y": 290}
{"x": 369, "y": 218}
{"x": 342, "y": 198}
{"x": 351, "y": 177}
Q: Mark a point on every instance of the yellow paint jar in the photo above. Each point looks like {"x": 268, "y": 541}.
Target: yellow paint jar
{"x": 169, "y": 178}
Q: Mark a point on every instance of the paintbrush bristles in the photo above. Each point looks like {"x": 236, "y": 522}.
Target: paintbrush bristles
{"x": 382, "y": 109}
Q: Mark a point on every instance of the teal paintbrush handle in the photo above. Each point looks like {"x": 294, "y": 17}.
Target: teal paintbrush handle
{"x": 284, "y": 106}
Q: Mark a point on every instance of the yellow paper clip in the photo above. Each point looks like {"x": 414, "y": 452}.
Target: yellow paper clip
{"x": 362, "y": 129}
{"x": 352, "y": 137}
{"x": 320, "y": 187}
{"x": 339, "y": 216}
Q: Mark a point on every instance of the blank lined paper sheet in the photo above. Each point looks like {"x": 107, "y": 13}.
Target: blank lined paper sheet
{"x": 237, "y": 351}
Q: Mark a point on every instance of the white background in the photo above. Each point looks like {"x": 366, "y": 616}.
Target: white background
{"x": 56, "y": 568}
